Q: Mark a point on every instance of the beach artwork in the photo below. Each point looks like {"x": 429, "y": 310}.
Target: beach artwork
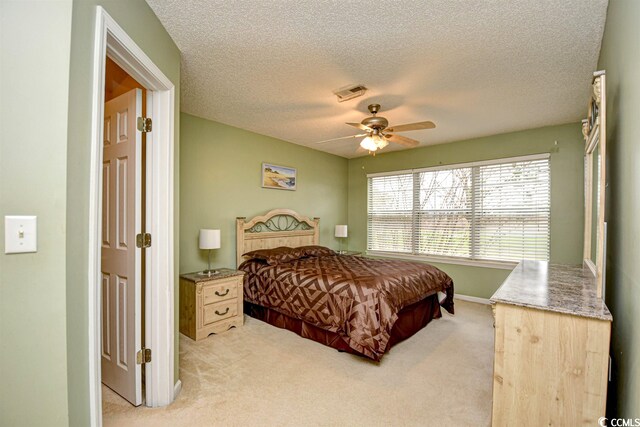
{"x": 279, "y": 177}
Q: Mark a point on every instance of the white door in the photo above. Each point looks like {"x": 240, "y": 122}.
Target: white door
{"x": 121, "y": 260}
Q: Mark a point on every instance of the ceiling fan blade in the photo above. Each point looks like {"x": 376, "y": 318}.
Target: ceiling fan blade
{"x": 359, "y": 126}
{"x": 412, "y": 126}
{"x": 343, "y": 137}
{"x": 402, "y": 140}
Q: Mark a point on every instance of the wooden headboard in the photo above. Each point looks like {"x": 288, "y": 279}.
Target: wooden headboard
{"x": 279, "y": 227}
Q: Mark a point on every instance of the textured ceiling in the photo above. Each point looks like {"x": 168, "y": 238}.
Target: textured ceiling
{"x": 474, "y": 67}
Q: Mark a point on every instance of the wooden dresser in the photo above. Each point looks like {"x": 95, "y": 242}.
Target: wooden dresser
{"x": 551, "y": 347}
{"x": 210, "y": 304}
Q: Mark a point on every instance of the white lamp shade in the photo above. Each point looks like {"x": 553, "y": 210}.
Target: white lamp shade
{"x": 368, "y": 144}
{"x": 341, "y": 231}
{"x": 209, "y": 239}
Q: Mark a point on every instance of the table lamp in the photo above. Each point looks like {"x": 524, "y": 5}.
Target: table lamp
{"x": 209, "y": 239}
{"x": 341, "y": 232}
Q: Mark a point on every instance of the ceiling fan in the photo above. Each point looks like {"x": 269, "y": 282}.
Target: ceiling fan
{"x": 378, "y": 133}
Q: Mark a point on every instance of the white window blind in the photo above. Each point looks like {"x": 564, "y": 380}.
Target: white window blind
{"x": 391, "y": 227}
{"x": 493, "y": 211}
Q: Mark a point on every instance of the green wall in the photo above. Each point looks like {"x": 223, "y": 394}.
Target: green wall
{"x": 620, "y": 57}
{"x": 221, "y": 180}
{"x": 33, "y": 168}
{"x": 141, "y": 24}
{"x": 212, "y": 153}
{"x": 566, "y": 191}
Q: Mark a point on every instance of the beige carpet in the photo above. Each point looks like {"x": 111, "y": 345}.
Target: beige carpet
{"x": 261, "y": 375}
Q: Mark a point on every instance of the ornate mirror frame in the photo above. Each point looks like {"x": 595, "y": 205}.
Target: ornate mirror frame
{"x": 595, "y": 135}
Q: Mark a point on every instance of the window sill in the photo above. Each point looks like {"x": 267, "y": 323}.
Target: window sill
{"x": 504, "y": 265}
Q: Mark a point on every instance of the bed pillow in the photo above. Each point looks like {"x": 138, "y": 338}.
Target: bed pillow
{"x": 277, "y": 255}
{"x": 317, "y": 251}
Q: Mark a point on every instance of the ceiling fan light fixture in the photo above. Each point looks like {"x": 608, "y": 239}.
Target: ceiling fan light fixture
{"x": 368, "y": 144}
{"x": 380, "y": 141}
{"x": 378, "y": 134}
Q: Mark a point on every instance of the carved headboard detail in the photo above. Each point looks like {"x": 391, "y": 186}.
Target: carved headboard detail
{"x": 279, "y": 227}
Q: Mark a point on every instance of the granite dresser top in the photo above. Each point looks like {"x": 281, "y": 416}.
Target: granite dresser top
{"x": 221, "y": 274}
{"x": 553, "y": 287}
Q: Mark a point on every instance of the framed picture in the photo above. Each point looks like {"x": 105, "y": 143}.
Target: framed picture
{"x": 278, "y": 177}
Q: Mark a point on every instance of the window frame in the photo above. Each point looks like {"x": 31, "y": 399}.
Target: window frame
{"x": 455, "y": 259}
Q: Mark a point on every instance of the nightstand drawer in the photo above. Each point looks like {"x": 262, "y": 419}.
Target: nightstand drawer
{"x": 220, "y": 292}
{"x": 223, "y": 310}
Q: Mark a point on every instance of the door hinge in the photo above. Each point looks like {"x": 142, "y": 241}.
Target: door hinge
{"x": 143, "y": 240}
{"x": 143, "y": 356}
{"x": 144, "y": 124}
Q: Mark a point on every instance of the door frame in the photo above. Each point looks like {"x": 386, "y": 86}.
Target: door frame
{"x": 161, "y": 389}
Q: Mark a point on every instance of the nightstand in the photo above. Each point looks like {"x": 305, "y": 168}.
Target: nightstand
{"x": 354, "y": 253}
{"x": 210, "y": 304}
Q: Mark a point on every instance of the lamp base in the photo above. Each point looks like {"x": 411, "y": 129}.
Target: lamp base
{"x": 208, "y": 272}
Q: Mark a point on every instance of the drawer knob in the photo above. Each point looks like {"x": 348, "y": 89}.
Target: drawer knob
{"x": 221, "y": 295}
{"x": 222, "y": 314}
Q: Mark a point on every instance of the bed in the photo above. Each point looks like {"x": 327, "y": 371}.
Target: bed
{"x": 351, "y": 303}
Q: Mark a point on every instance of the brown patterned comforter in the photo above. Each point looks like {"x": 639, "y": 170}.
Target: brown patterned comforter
{"x": 358, "y": 298}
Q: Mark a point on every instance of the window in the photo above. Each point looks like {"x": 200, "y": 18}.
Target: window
{"x": 489, "y": 211}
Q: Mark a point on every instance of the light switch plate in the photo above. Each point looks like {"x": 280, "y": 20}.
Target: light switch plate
{"x": 20, "y": 234}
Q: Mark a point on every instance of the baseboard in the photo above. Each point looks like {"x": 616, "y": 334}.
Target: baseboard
{"x": 176, "y": 389}
{"x": 472, "y": 299}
